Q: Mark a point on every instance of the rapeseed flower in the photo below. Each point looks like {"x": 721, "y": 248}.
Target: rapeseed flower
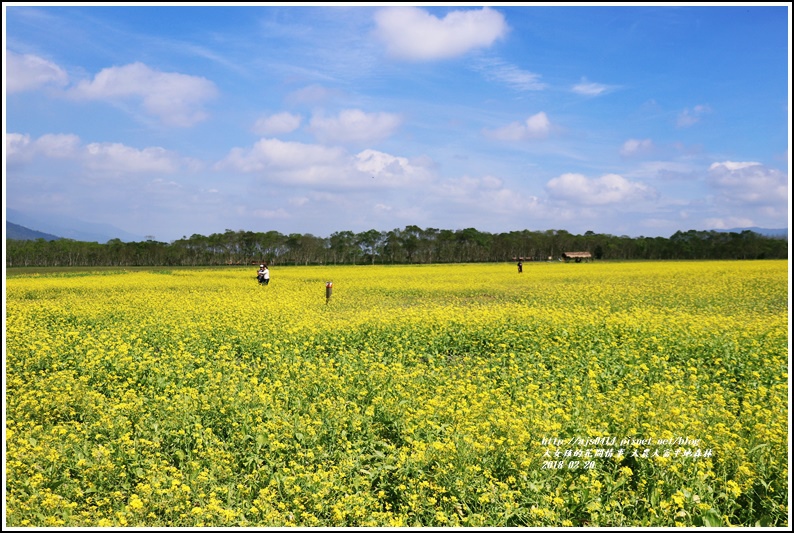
{"x": 192, "y": 399}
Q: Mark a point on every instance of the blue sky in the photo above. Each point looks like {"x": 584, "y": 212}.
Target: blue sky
{"x": 169, "y": 121}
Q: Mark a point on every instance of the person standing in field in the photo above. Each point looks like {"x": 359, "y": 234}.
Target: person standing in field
{"x": 265, "y": 275}
{"x": 520, "y": 266}
{"x": 260, "y": 274}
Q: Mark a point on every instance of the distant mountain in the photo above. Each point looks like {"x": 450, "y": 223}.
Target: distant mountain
{"x": 71, "y": 228}
{"x": 766, "y": 232}
{"x": 21, "y": 233}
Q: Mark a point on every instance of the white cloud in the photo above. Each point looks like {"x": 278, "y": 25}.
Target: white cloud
{"x": 689, "y": 117}
{"x": 587, "y": 88}
{"x": 749, "y": 183}
{"x": 176, "y": 99}
{"x": 96, "y": 161}
{"x": 731, "y": 166}
{"x": 29, "y": 72}
{"x": 17, "y": 147}
{"x": 268, "y": 214}
{"x": 298, "y": 201}
{"x": 414, "y": 34}
{"x": 311, "y": 94}
{"x": 608, "y": 189}
{"x": 288, "y": 161}
{"x": 389, "y": 170}
{"x": 517, "y": 78}
{"x": 664, "y": 170}
{"x": 58, "y": 145}
{"x": 277, "y": 124}
{"x": 116, "y": 158}
{"x": 497, "y": 70}
{"x": 728, "y": 222}
{"x": 21, "y": 148}
{"x": 635, "y": 147}
{"x": 295, "y": 163}
{"x": 514, "y": 131}
{"x": 353, "y": 125}
{"x": 537, "y": 126}
{"x": 466, "y": 185}
{"x": 484, "y": 197}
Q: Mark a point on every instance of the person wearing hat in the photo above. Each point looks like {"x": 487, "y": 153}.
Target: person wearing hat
{"x": 260, "y": 275}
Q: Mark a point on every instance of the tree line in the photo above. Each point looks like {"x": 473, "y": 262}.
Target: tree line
{"x": 410, "y": 245}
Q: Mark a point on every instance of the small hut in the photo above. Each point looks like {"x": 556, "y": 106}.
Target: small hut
{"x": 577, "y": 257}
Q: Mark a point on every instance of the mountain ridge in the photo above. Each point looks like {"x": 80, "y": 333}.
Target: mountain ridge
{"x": 95, "y": 233}
{"x": 69, "y": 228}
{"x": 766, "y": 232}
{"x": 21, "y": 233}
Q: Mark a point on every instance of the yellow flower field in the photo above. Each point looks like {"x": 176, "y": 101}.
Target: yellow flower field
{"x": 628, "y": 394}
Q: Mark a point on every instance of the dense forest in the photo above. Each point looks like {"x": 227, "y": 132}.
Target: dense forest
{"x": 409, "y": 245}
